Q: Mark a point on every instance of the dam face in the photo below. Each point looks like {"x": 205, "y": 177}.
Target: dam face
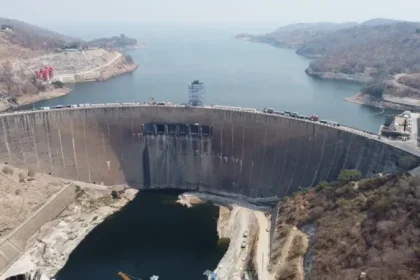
{"x": 252, "y": 154}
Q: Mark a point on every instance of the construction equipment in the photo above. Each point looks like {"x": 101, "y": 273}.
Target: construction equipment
{"x": 126, "y": 277}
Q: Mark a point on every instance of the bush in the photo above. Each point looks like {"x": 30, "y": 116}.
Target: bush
{"x": 58, "y": 84}
{"x": 31, "y": 173}
{"x": 7, "y": 170}
{"x": 375, "y": 90}
{"x": 381, "y": 205}
{"x": 129, "y": 59}
{"x": 13, "y": 99}
{"x": 347, "y": 176}
{"x": 342, "y": 202}
{"x": 323, "y": 185}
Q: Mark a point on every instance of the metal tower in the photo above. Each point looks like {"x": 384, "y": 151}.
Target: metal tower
{"x": 196, "y": 93}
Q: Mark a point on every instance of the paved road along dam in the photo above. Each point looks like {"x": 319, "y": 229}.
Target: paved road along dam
{"x": 253, "y": 154}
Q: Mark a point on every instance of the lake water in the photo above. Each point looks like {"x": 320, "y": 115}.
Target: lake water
{"x": 235, "y": 73}
{"x": 153, "y": 235}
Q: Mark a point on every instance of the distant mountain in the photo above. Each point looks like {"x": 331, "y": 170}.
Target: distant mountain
{"x": 296, "y": 35}
{"x": 121, "y": 41}
{"x": 379, "y": 21}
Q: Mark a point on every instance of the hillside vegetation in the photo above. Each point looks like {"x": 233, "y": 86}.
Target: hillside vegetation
{"x": 386, "y": 49}
{"x": 370, "y": 226}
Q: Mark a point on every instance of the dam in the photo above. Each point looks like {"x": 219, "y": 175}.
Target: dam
{"x": 196, "y": 148}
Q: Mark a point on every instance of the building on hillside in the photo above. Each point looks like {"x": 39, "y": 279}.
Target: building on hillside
{"x": 6, "y": 27}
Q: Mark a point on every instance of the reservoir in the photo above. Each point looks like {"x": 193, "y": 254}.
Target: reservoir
{"x": 152, "y": 235}
{"x": 235, "y": 73}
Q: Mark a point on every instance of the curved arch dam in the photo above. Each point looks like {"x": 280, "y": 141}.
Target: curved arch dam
{"x": 253, "y": 154}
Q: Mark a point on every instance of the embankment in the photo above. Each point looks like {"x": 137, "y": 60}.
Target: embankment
{"x": 45, "y": 241}
{"x": 14, "y": 244}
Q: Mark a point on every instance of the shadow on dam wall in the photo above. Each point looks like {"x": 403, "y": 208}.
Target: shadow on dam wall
{"x": 247, "y": 153}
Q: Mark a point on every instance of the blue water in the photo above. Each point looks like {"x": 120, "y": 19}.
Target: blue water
{"x": 235, "y": 73}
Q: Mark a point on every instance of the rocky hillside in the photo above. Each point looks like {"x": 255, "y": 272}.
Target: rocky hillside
{"x": 30, "y": 36}
{"x": 369, "y": 227}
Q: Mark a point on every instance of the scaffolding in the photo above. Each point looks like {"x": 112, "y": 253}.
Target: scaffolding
{"x": 196, "y": 93}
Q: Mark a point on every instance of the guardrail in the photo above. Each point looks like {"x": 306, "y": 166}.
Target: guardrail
{"x": 214, "y": 107}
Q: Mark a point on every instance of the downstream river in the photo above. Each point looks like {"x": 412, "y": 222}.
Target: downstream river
{"x": 153, "y": 235}
{"x": 235, "y": 73}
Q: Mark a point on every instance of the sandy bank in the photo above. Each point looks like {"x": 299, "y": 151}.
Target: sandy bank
{"x": 28, "y": 99}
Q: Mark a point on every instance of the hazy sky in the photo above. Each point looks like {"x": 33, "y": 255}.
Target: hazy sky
{"x": 206, "y": 11}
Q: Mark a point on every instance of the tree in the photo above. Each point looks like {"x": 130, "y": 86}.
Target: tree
{"x": 349, "y": 175}
{"x": 58, "y": 84}
{"x": 375, "y": 90}
{"x": 129, "y": 59}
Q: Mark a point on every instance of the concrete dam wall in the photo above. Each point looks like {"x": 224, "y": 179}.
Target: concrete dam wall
{"x": 252, "y": 154}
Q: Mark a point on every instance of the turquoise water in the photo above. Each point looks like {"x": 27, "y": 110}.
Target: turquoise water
{"x": 236, "y": 73}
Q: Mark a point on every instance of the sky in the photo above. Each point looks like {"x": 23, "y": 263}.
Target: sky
{"x": 279, "y": 12}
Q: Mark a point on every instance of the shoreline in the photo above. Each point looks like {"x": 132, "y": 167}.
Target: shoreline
{"x": 28, "y": 99}
{"x": 363, "y": 99}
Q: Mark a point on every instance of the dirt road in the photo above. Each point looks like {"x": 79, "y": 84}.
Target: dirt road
{"x": 233, "y": 263}
{"x": 263, "y": 247}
